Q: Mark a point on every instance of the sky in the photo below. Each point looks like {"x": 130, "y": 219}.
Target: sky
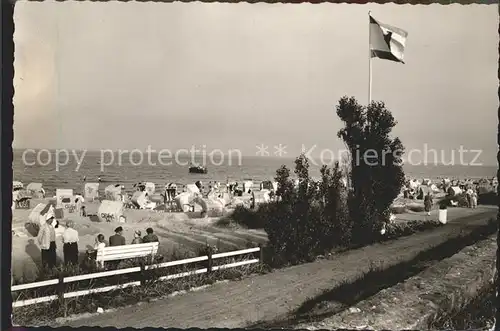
{"x": 91, "y": 75}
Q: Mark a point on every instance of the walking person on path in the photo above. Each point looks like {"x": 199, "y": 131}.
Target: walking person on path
{"x": 70, "y": 244}
{"x": 468, "y": 193}
{"x": 47, "y": 241}
{"x": 428, "y": 203}
{"x": 474, "y": 199}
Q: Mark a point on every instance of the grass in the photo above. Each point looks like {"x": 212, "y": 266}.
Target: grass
{"x": 478, "y": 314}
{"x": 348, "y": 293}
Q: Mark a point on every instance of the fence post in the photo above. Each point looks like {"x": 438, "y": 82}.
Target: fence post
{"x": 210, "y": 260}
{"x": 60, "y": 293}
{"x": 143, "y": 274}
{"x": 261, "y": 251}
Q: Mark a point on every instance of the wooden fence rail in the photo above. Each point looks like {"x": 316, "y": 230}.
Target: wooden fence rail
{"x": 65, "y": 280}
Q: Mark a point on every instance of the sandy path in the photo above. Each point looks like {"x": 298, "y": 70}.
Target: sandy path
{"x": 267, "y": 297}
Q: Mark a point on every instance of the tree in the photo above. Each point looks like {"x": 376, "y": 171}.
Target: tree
{"x": 376, "y": 173}
{"x": 285, "y": 191}
{"x": 336, "y": 226}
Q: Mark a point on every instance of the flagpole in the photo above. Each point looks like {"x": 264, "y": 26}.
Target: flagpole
{"x": 369, "y": 61}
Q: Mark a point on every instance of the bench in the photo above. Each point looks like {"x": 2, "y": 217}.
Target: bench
{"x": 123, "y": 252}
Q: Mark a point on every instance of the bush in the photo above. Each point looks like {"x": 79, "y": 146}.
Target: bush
{"x": 444, "y": 203}
{"x": 416, "y": 208}
{"x": 462, "y": 200}
{"x": 402, "y": 229}
{"x": 308, "y": 220}
{"x": 318, "y": 216}
{"x": 252, "y": 219}
{"x": 398, "y": 210}
{"x": 490, "y": 198}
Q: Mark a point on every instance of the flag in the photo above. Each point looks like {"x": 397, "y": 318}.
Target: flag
{"x": 387, "y": 42}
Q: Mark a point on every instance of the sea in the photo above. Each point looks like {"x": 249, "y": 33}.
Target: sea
{"x": 56, "y": 171}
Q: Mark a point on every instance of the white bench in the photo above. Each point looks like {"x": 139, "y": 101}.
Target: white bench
{"x": 123, "y": 252}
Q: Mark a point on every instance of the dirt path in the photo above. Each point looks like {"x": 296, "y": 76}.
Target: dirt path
{"x": 413, "y": 304}
{"x": 267, "y": 297}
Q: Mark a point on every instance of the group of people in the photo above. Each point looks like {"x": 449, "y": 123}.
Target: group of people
{"x": 118, "y": 239}
{"x": 472, "y": 197}
{"x": 47, "y": 242}
{"x": 470, "y": 193}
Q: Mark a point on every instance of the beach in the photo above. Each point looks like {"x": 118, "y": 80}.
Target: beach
{"x": 251, "y": 167}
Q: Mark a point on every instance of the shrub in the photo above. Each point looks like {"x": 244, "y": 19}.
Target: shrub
{"x": 402, "y": 229}
{"x": 316, "y": 217}
{"x": 307, "y": 220}
{"x": 416, "y": 208}
{"x": 490, "y": 198}
{"x": 336, "y": 228}
{"x": 444, "y": 203}
{"x": 249, "y": 218}
{"x": 398, "y": 209}
{"x": 462, "y": 200}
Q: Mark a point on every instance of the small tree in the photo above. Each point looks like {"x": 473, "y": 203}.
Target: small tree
{"x": 285, "y": 191}
{"x": 336, "y": 227}
{"x": 279, "y": 224}
{"x": 376, "y": 173}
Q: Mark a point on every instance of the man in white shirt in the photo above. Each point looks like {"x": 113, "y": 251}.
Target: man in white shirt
{"x": 70, "y": 244}
{"x": 47, "y": 241}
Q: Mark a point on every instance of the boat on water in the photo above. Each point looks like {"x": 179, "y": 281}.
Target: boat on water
{"x": 197, "y": 170}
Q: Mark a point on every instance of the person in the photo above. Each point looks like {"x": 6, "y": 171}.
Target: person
{"x": 172, "y": 187}
{"x": 100, "y": 242}
{"x": 469, "y": 197}
{"x": 117, "y": 239}
{"x": 150, "y": 236}
{"x": 78, "y": 205}
{"x": 199, "y": 185}
{"x": 137, "y": 238}
{"x": 474, "y": 199}
{"x": 166, "y": 194}
{"x": 211, "y": 191}
{"x": 70, "y": 244}
{"x": 83, "y": 212}
{"x": 428, "y": 203}
{"x": 47, "y": 241}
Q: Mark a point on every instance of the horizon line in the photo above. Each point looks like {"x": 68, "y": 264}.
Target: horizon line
{"x": 268, "y": 157}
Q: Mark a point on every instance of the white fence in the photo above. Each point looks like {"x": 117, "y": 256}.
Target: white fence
{"x": 65, "y": 280}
